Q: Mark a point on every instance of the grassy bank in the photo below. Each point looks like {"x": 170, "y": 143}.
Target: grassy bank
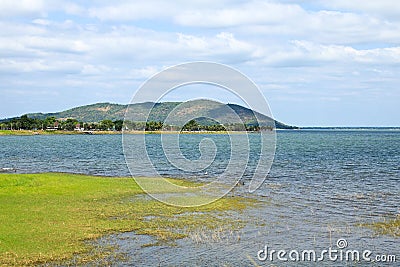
{"x": 16, "y": 132}
{"x": 49, "y": 217}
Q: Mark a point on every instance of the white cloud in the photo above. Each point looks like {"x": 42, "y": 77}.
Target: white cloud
{"x": 41, "y": 46}
{"x": 90, "y": 69}
{"x": 39, "y": 65}
{"x": 52, "y": 44}
{"x": 233, "y": 43}
{"x": 9, "y": 8}
{"x": 248, "y": 13}
{"x": 152, "y": 9}
{"x": 302, "y": 53}
{"x": 337, "y": 53}
{"x": 222, "y": 44}
{"x": 133, "y": 10}
{"x": 41, "y": 22}
{"x": 385, "y": 8}
{"x": 73, "y": 8}
{"x": 277, "y": 19}
{"x": 38, "y": 8}
{"x": 144, "y": 73}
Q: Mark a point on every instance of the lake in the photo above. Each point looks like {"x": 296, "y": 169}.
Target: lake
{"x": 323, "y": 185}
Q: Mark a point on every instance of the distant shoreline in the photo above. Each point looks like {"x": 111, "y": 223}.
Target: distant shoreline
{"x": 44, "y": 132}
{"x": 349, "y": 128}
{"x": 64, "y": 132}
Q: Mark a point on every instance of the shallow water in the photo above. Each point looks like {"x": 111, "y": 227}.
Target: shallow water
{"x": 321, "y": 187}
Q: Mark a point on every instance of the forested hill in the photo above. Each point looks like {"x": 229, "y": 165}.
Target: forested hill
{"x": 108, "y": 111}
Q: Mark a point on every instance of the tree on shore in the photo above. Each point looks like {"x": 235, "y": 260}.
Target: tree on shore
{"x": 118, "y": 125}
{"x": 192, "y": 125}
{"x": 154, "y": 126}
{"x": 106, "y": 125}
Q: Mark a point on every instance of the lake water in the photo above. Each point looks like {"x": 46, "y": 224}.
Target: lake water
{"x": 323, "y": 185}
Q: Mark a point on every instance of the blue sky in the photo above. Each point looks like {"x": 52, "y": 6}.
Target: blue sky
{"x": 325, "y": 63}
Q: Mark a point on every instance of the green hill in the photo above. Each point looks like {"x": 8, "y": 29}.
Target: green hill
{"x": 88, "y": 113}
{"x": 159, "y": 112}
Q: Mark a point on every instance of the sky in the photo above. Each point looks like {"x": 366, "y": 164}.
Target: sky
{"x": 317, "y": 63}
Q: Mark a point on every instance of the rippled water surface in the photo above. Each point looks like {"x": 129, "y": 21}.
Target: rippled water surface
{"x": 323, "y": 185}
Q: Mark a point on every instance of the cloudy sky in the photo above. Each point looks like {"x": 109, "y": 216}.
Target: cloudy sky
{"x": 327, "y": 63}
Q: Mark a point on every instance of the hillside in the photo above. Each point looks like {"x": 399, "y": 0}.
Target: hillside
{"x": 89, "y": 113}
{"x": 209, "y": 109}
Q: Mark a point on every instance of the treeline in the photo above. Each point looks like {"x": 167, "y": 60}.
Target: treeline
{"x": 192, "y": 125}
{"x": 52, "y": 124}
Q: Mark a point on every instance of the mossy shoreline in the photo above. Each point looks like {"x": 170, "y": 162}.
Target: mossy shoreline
{"x": 50, "y": 217}
{"x": 387, "y": 227}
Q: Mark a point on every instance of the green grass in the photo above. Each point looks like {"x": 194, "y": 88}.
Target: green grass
{"x": 9, "y": 132}
{"x": 50, "y": 217}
